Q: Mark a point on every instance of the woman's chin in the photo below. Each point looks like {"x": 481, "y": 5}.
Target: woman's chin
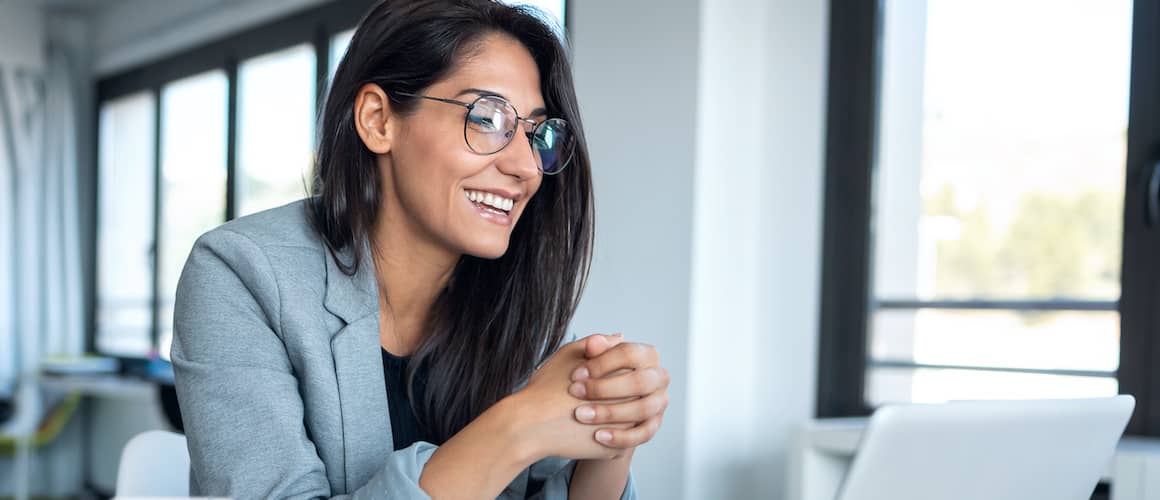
{"x": 488, "y": 250}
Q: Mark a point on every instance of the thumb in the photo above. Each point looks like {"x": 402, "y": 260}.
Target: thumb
{"x": 596, "y": 345}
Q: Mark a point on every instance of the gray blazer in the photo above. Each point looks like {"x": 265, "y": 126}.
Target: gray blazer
{"x": 280, "y": 378}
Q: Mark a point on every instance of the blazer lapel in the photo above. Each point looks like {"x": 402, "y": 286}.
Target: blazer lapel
{"x": 358, "y": 365}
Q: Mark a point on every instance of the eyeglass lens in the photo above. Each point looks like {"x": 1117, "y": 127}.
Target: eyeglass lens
{"x": 492, "y": 122}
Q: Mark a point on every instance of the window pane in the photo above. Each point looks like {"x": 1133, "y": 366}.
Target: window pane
{"x": 338, "y": 45}
{"x": 275, "y": 128}
{"x": 193, "y": 169}
{"x": 125, "y": 226}
{"x": 1001, "y": 158}
{"x": 999, "y": 176}
{"x": 1053, "y": 340}
{"x": 923, "y": 385}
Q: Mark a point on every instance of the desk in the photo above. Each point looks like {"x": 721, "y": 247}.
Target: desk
{"x": 824, "y": 449}
{"x": 103, "y": 386}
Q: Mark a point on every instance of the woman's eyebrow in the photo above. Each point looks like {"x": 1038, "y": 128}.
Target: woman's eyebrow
{"x": 492, "y": 93}
{"x": 480, "y": 92}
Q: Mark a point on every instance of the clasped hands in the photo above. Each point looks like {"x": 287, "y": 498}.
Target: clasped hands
{"x": 597, "y": 397}
{"x": 624, "y": 384}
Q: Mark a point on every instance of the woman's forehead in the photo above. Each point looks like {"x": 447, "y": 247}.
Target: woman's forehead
{"x": 500, "y": 66}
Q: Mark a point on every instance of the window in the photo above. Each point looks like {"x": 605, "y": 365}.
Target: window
{"x": 186, "y": 143}
{"x": 984, "y": 201}
{"x": 338, "y": 45}
{"x": 275, "y": 128}
{"x": 125, "y": 216}
{"x": 193, "y": 173}
{"x": 979, "y": 274}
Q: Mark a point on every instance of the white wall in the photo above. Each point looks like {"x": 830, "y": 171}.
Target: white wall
{"x": 708, "y": 242}
{"x": 637, "y": 85}
{"x": 757, "y": 242}
{"x": 790, "y": 236}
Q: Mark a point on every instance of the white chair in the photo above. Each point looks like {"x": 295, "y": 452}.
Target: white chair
{"x": 154, "y": 464}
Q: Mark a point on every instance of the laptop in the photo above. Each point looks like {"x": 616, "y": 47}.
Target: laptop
{"x": 993, "y": 450}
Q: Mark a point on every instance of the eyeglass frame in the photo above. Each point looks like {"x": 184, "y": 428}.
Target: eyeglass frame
{"x": 519, "y": 120}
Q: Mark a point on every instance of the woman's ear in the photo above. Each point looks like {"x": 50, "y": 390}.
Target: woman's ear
{"x": 373, "y": 118}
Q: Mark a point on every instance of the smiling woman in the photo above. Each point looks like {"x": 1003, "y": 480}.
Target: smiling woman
{"x": 401, "y": 332}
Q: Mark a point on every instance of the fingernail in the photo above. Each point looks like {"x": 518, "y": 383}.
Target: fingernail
{"x": 603, "y": 436}
{"x": 621, "y": 335}
{"x": 585, "y": 413}
{"x": 580, "y": 374}
{"x": 578, "y": 390}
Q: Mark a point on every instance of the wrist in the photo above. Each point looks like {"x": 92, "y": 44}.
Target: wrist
{"x": 482, "y": 458}
{"x": 600, "y": 477}
{"x": 511, "y": 415}
{"x": 625, "y": 457}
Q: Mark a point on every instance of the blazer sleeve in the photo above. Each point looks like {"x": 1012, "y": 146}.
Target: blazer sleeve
{"x": 240, "y": 404}
{"x": 549, "y": 479}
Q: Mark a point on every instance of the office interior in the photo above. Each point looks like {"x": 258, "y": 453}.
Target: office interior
{"x": 812, "y": 208}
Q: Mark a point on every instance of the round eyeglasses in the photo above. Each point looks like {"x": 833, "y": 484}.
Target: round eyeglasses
{"x": 491, "y": 123}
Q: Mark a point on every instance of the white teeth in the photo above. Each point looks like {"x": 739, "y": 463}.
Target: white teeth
{"x": 491, "y": 200}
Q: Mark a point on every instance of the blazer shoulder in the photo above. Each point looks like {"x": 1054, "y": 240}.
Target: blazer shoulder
{"x": 267, "y": 257}
{"x": 260, "y": 249}
{"x": 284, "y": 226}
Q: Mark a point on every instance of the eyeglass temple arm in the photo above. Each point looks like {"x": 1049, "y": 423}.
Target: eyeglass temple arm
{"x": 528, "y": 121}
{"x": 440, "y": 99}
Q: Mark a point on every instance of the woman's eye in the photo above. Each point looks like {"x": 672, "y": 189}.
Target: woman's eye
{"x": 484, "y": 122}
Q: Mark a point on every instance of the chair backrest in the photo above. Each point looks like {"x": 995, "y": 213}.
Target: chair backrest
{"x": 154, "y": 464}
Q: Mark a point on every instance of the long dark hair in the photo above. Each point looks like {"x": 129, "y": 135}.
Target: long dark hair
{"x": 496, "y": 320}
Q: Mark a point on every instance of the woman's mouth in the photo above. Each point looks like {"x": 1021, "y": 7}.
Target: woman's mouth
{"x": 490, "y": 206}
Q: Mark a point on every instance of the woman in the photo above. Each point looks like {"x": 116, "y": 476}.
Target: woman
{"x": 400, "y": 333}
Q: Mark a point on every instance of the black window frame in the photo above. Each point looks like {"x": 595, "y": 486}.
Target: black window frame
{"x": 848, "y": 226}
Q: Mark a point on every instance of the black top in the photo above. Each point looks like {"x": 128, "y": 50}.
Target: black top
{"x": 405, "y": 427}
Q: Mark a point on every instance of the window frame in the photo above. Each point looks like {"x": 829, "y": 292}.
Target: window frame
{"x": 848, "y": 227}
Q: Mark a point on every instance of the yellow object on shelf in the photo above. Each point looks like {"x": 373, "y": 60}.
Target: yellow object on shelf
{"x": 50, "y": 427}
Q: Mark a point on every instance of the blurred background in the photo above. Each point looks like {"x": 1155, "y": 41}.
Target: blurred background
{"x": 811, "y": 207}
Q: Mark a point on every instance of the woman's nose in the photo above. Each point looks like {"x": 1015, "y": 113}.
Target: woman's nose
{"x": 518, "y": 159}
